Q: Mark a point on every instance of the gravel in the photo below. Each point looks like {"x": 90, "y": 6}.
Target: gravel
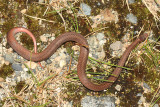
{"x": 93, "y": 101}
{"x": 9, "y": 57}
{"x": 131, "y": 18}
{"x": 85, "y": 9}
{"x": 17, "y": 67}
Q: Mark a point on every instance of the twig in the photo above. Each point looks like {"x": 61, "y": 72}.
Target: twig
{"x": 37, "y": 18}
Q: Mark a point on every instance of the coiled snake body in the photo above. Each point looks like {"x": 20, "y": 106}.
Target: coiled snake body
{"x": 83, "y": 57}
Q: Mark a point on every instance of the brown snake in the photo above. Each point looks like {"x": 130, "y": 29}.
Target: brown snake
{"x": 83, "y": 57}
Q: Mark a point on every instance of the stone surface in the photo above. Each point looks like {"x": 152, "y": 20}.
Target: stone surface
{"x": 85, "y": 9}
{"x": 9, "y": 57}
{"x": 17, "y": 66}
{"x": 116, "y": 46}
{"x": 131, "y": 1}
{"x": 131, "y": 18}
{"x": 92, "y": 101}
{"x": 96, "y": 43}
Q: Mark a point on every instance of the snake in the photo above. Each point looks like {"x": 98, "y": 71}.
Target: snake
{"x": 83, "y": 55}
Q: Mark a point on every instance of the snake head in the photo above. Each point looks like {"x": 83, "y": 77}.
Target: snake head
{"x": 143, "y": 37}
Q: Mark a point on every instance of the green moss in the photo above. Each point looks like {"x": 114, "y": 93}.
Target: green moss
{"x": 6, "y": 70}
{"x": 74, "y": 93}
{"x": 19, "y": 86}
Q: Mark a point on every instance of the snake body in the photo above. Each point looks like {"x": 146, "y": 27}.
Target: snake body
{"x": 83, "y": 57}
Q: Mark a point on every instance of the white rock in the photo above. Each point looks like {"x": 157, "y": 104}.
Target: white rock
{"x": 52, "y": 38}
{"x": 58, "y": 58}
{"x": 76, "y": 48}
{"x": 100, "y": 36}
{"x": 116, "y": 46}
{"x": 25, "y": 69}
{"x": 31, "y": 64}
{"x": 62, "y": 63}
{"x": 85, "y": 9}
{"x": 118, "y": 87}
{"x": 23, "y": 11}
{"x": 41, "y": 1}
{"x": 43, "y": 38}
{"x": 8, "y": 79}
{"x": 102, "y": 54}
{"x": 131, "y": 18}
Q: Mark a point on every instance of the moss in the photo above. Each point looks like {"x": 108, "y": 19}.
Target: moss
{"x": 19, "y": 86}
{"x": 6, "y": 70}
{"x": 74, "y": 93}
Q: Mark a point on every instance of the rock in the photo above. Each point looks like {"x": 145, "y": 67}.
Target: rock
{"x": 31, "y": 64}
{"x": 131, "y": 1}
{"x": 25, "y": 69}
{"x": 118, "y": 87}
{"x": 142, "y": 100}
{"x": 48, "y": 61}
{"x": 9, "y": 57}
{"x": 17, "y": 73}
{"x": 146, "y": 87}
{"x": 101, "y": 38}
{"x": 41, "y": 1}
{"x": 116, "y": 49}
{"x": 105, "y": 16}
{"x": 62, "y": 63}
{"x": 17, "y": 67}
{"x": 156, "y": 105}
{"x": 92, "y": 101}
{"x": 85, "y": 9}
{"x": 23, "y": 11}
{"x": 116, "y": 46}
{"x": 126, "y": 38}
{"x": 139, "y": 94}
{"x": 43, "y": 38}
{"x": 132, "y": 18}
{"x": 96, "y": 43}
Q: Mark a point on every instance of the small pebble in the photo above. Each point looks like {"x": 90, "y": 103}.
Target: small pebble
{"x": 17, "y": 73}
{"x": 100, "y": 36}
{"x": 156, "y": 105}
{"x": 93, "y": 101}
{"x": 43, "y": 38}
{"x": 9, "y": 57}
{"x": 17, "y": 67}
{"x": 85, "y": 8}
{"x": 41, "y": 1}
{"x": 48, "y": 61}
{"x": 118, "y": 87}
{"x": 132, "y": 18}
{"x": 31, "y": 64}
{"x": 139, "y": 94}
{"x": 62, "y": 63}
{"x": 131, "y": 1}
{"x": 25, "y": 69}
{"x": 116, "y": 46}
